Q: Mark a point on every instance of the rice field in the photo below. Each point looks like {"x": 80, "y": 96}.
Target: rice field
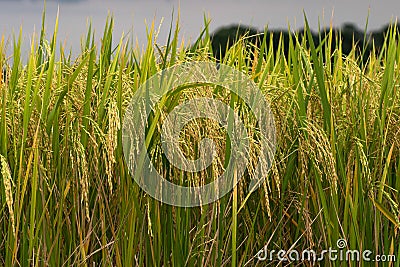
{"x": 68, "y": 199}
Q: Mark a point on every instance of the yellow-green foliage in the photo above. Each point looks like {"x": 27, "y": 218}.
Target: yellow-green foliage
{"x": 67, "y": 197}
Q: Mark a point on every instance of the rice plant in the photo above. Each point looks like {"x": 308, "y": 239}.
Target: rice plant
{"x": 67, "y": 197}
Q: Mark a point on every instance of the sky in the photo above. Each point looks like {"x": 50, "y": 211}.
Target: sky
{"x": 133, "y": 16}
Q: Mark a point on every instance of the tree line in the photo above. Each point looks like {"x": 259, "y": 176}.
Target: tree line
{"x": 349, "y": 34}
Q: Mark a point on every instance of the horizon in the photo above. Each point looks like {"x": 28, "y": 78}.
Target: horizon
{"x": 131, "y": 17}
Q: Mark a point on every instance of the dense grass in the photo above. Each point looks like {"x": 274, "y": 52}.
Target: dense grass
{"x": 67, "y": 197}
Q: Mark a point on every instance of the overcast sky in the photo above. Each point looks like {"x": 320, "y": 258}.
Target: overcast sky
{"x": 132, "y": 15}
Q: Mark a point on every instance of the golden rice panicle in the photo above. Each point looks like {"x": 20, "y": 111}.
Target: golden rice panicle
{"x": 112, "y": 140}
{"x": 7, "y": 181}
{"x": 82, "y": 171}
{"x": 319, "y": 148}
